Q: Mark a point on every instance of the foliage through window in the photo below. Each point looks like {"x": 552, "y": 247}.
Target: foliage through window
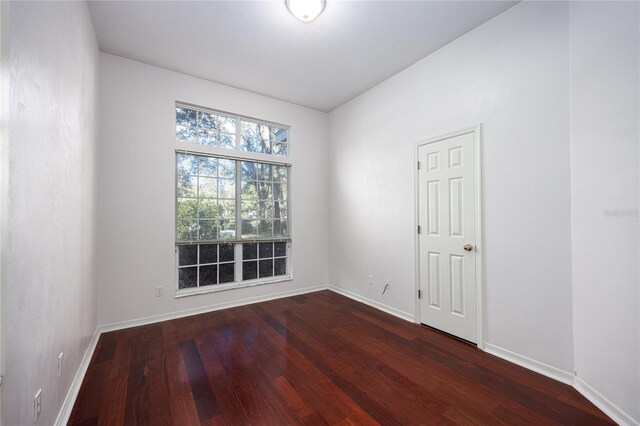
{"x": 217, "y": 129}
{"x": 263, "y": 200}
{"x": 206, "y": 198}
{"x": 263, "y": 138}
{"x": 205, "y": 128}
{"x": 232, "y": 214}
{"x": 207, "y": 201}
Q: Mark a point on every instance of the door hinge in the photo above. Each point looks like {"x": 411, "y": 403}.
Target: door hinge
{"x": 419, "y": 229}
{"x": 418, "y": 165}
{"x": 419, "y": 294}
{"x": 1, "y": 380}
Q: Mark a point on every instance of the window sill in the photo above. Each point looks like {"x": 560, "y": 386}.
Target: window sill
{"x": 230, "y": 286}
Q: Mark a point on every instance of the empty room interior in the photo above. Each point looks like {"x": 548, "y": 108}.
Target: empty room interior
{"x": 319, "y": 212}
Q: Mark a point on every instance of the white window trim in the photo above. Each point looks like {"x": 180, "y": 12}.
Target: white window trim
{"x": 230, "y": 286}
{"x": 238, "y": 155}
{"x": 230, "y": 154}
{"x": 239, "y": 152}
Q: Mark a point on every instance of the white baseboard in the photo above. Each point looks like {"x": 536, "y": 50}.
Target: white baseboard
{"x": 381, "y": 306}
{"x": 204, "y": 309}
{"x": 606, "y": 406}
{"x": 74, "y": 389}
{"x": 531, "y": 364}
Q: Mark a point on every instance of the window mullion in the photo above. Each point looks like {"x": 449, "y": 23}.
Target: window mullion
{"x": 238, "y": 200}
{"x": 238, "y": 266}
{"x": 198, "y": 199}
{"x": 238, "y": 181}
{"x": 238, "y": 246}
{"x": 288, "y": 200}
{"x": 217, "y": 264}
{"x": 238, "y": 134}
{"x": 198, "y": 267}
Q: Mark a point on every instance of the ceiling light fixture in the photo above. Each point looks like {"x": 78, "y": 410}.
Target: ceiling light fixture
{"x": 305, "y": 10}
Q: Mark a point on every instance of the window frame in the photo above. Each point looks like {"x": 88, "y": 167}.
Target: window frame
{"x": 185, "y": 292}
{"x": 237, "y": 151}
{"x": 238, "y": 155}
{"x": 238, "y": 200}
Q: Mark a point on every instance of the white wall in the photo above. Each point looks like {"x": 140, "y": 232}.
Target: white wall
{"x": 605, "y": 112}
{"x": 49, "y": 281}
{"x": 512, "y": 74}
{"x": 137, "y": 178}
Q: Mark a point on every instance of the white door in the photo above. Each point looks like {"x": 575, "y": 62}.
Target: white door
{"x": 447, "y": 246}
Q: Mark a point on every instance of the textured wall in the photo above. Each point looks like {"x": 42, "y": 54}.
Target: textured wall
{"x": 605, "y": 116}
{"x": 49, "y": 291}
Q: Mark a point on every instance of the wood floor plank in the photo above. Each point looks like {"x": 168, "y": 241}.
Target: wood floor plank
{"x": 137, "y": 403}
{"x": 230, "y": 405}
{"x": 315, "y": 359}
{"x": 107, "y": 348}
{"x": 159, "y": 411}
{"x": 205, "y": 400}
{"x": 112, "y": 408}
{"x": 91, "y": 394}
{"x": 296, "y": 403}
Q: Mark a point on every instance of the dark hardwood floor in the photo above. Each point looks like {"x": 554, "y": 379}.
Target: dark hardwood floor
{"x": 317, "y": 359}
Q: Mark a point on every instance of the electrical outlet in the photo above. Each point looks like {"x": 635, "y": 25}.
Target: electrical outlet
{"x": 159, "y": 291}
{"x": 37, "y": 405}
{"x": 370, "y": 279}
{"x": 60, "y": 357}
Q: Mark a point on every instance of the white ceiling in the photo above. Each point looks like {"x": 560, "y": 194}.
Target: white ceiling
{"x": 260, "y": 47}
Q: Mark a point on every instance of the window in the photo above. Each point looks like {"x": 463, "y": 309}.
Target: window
{"x": 206, "y": 198}
{"x": 263, "y": 200}
{"x": 203, "y": 127}
{"x": 263, "y": 138}
{"x": 262, "y": 260}
{"x": 232, "y": 214}
{"x": 201, "y": 265}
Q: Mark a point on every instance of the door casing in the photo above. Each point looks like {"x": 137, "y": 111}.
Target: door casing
{"x": 4, "y": 166}
{"x": 479, "y": 248}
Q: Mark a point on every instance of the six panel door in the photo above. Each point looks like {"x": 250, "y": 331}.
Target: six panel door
{"x": 446, "y": 206}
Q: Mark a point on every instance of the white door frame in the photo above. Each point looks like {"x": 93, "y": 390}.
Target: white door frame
{"x": 479, "y": 248}
{"x": 4, "y": 163}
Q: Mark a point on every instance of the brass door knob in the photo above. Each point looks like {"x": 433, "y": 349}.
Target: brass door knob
{"x": 468, "y": 247}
